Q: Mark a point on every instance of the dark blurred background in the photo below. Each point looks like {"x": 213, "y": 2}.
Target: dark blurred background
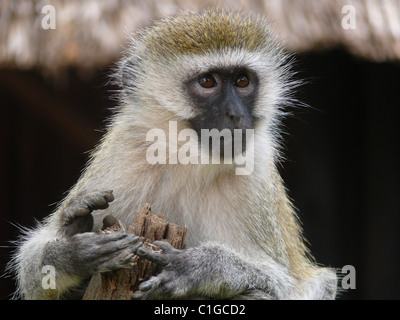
{"x": 341, "y": 167}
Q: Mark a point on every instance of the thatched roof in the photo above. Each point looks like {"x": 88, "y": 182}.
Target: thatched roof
{"x": 93, "y": 33}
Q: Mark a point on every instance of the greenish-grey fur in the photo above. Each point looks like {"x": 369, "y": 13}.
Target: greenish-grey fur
{"x": 209, "y": 31}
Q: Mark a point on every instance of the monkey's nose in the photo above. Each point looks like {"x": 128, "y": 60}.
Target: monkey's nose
{"x": 235, "y": 116}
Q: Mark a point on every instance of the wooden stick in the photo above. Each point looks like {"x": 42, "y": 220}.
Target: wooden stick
{"x": 121, "y": 283}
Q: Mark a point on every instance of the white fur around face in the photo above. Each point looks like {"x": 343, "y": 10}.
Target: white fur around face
{"x": 161, "y": 90}
{"x": 161, "y": 98}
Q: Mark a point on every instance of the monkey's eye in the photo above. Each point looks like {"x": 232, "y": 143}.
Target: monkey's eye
{"x": 241, "y": 81}
{"x": 207, "y": 81}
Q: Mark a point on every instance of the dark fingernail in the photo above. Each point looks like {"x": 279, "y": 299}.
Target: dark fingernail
{"x": 145, "y": 286}
{"x": 137, "y": 295}
{"x": 132, "y": 239}
{"x": 109, "y": 196}
{"x": 135, "y": 238}
{"x": 129, "y": 256}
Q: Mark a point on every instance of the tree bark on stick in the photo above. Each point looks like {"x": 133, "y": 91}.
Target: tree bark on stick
{"x": 121, "y": 283}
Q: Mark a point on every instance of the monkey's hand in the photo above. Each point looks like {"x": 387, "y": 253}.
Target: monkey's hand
{"x": 76, "y": 214}
{"x": 208, "y": 271}
{"x": 89, "y": 252}
{"x": 75, "y": 252}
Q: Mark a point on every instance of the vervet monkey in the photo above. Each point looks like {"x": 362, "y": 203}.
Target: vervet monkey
{"x": 210, "y": 70}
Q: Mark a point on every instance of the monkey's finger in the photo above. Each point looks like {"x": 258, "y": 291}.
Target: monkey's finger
{"x": 138, "y": 295}
{"x": 153, "y": 282}
{"x": 135, "y": 247}
{"x": 156, "y": 287}
{"x": 102, "y": 244}
{"x": 128, "y": 241}
{"x": 152, "y": 256}
{"x": 98, "y": 200}
{"x": 126, "y": 263}
{"x": 115, "y": 261}
{"x": 149, "y": 288}
{"x": 133, "y": 239}
{"x": 108, "y": 195}
{"x": 121, "y": 240}
{"x": 166, "y": 246}
{"x": 84, "y": 205}
{"x": 76, "y": 210}
{"x": 101, "y": 239}
{"x": 80, "y": 211}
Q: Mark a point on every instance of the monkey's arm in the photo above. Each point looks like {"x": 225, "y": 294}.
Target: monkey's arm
{"x": 74, "y": 254}
{"x": 213, "y": 271}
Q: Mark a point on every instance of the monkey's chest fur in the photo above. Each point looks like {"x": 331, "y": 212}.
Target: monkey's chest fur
{"x": 218, "y": 207}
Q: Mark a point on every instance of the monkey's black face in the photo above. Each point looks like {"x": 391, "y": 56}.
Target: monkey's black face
{"x": 226, "y": 99}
